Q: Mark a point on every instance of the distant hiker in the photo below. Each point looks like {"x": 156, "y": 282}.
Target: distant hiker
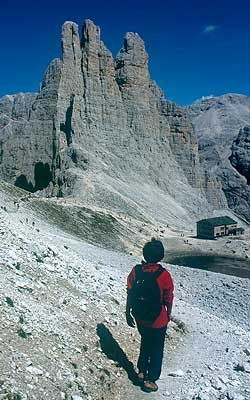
{"x": 149, "y": 302}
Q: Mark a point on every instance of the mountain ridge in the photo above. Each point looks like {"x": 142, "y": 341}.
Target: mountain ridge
{"x": 218, "y": 122}
{"x": 105, "y": 126}
{"x": 100, "y": 127}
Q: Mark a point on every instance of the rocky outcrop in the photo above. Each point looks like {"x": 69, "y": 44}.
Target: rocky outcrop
{"x": 240, "y": 157}
{"x": 182, "y": 140}
{"x": 27, "y": 139}
{"x": 236, "y": 191}
{"x": 150, "y": 116}
{"x": 16, "y": 106}
{"x": 220, "y": 117}
{"x": 100, "y": 129}
{"x": 223, "y": 155}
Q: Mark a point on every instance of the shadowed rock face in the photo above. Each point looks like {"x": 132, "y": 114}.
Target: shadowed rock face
{"x": 105, "y": 131}
{"x": 240, "y": 158}
{"x": 224, "y": 153}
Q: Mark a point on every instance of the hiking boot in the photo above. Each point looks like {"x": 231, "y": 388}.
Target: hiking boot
{"x": 149, "y": 386}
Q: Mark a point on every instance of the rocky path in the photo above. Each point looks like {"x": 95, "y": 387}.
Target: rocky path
{"x": 208, "y": 361}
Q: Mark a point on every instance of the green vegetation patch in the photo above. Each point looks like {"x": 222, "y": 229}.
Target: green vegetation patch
{"x": 92, "y": 226}
{"x": 13, "y": 396}
{"x": 9, "y": 301}
{"x": 23, "y": 334}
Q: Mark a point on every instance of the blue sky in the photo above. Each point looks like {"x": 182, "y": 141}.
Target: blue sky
{"x": 196, "y": 48}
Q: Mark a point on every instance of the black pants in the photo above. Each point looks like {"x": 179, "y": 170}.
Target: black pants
{"x": 151, "y": 351}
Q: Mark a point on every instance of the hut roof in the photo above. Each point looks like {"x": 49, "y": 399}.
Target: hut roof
{"x": 217, "y": 221}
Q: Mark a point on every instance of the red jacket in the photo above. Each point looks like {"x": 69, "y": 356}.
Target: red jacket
{"x": 166, "y": 286}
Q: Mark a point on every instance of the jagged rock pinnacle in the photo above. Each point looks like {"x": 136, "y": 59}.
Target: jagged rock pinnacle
{"x": 96, "y": 58}
{"x": 132, "y": 61}
{"x": 90, "y": 32}
{"x": 134, "y": 43}
{"x": 70, "y": 42}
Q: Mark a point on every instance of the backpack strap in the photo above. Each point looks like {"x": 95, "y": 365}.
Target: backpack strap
{"x": 158, "y": 272}
{"x": 138, "y": 271}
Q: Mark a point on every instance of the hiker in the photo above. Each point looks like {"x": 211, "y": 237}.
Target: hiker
{"x": 149, "y": 303}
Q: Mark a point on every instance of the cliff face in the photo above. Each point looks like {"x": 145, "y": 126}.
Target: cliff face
{"x": 100, "y": 129}
{"x": 27, "y": 134}
{"x": 240, "y": 157}
{"x": 224, "y": 153}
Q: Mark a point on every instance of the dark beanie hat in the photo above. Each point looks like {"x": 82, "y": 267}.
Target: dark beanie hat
{"x": 153, "y": 251}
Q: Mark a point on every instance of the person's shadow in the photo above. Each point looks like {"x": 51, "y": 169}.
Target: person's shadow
{"x": 114, "y": 352}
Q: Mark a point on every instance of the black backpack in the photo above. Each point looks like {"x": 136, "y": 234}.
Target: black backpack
{"x": 145, "y": 294}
